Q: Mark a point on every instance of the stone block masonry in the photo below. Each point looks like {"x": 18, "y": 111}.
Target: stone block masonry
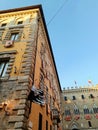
{"x": 17, "y": 110}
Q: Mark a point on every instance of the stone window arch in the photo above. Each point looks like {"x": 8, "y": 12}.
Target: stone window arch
{"x": 19, "y": 20}
{"x": 74, "y": 126}
{"x": 86, "y": 110}
{"x": 95, "y": 108}
{"x": 3, "y": 23}
{"x": 76, "y": 110}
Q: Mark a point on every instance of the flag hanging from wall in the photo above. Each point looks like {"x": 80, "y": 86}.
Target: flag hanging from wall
{"x": 37, "y": 96}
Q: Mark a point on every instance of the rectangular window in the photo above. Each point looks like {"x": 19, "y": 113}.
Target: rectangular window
{"x": 46, "y": 125}
{"x": 95, "y": 109}
{"x": 47, "y": 109}
{"x": 40, "y": 122}
{"x": 89, "y": 123}
{"x": 20, "y": 22}
{"x": 4, "y": 24}
{"x": 50, "y": 127}
{"x": 3, "y": 68}
{"x": 14, "y": 36}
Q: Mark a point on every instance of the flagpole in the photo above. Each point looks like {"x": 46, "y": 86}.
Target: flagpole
{"x": 75, "y": 83}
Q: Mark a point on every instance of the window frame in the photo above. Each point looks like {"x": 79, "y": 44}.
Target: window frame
{"x": 14, "y": 36}
{"x": 82, "y": 96}
{"x": 65, "y": 98}
{"x": 86, "y": 111}
{"x": 40, "y": 121}
{"x": 91, "y": 96}
{"x": 95, "y": 109}
{"x": 19, "y": 22}
{"x": 90, "y": 124}
{"x": 46, "y": 125}
{"x": 67, "y": 112}
{"x": 76, "y": 111}
{"x": 3, "y": 24}
{"x": 3, "y": 67}
{"x": 73, "y": 97}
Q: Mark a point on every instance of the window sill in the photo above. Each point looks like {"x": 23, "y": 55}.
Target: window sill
{"x": 2, "y": 28}
{"x": 16, "y": 26}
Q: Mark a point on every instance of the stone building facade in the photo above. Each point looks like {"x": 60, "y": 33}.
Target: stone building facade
{"x": 26, "y": 60}
{"x": 80, "y": 108}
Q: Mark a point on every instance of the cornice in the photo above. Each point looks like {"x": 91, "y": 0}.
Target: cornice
{"x": 19, "y": 13}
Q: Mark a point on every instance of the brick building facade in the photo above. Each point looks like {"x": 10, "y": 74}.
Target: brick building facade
{"x": 80, "y": 108}
{"x": 26, "y": 60}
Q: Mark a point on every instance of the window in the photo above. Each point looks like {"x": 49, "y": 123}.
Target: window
{"x": 82, "y": 96}
{"x": 89, "y": 123}
{"x": 65, "y": 98}
{"x": 86, "y": 111}
{"x": 3, "y": 67}
{"x": 50, "y": 127}
{"x": 67, "y": 112}
{"x": 73, "y": 98}
{"x": 20, "y": 22}
{"x": 95, "y": 109}
{"x": 46, "y": 125}
{"x": 40, "y": 122}
{"x": 91, "y": 96}
{"x": 76, "y": 111}
{"x": 14, "y": 36}
{"x": 4, "y": 24}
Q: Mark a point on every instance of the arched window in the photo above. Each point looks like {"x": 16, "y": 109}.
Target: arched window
{"x": 86, "y": 110}
{"x": 95, "y": 109}
{"x": 91, "y": 96}
{"x": 3, "y": 23}
{"x": 82, "y": 96}
{"x": 67, "y": 112}
{"x": 76, "y": 111}
{"x": 19, "y": 21}
{"x": 73, "y": 98}
{"x": 65, "y": 98}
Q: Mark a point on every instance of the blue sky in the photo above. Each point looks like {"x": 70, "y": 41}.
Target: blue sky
{"x": 73, "y": 33}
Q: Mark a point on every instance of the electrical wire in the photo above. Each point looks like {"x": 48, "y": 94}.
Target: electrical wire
{"x": 61, "y": 7}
